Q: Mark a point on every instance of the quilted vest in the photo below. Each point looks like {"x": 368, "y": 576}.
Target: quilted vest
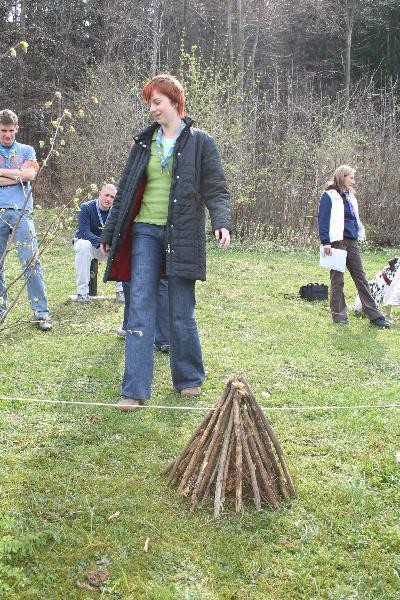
{"x": 336, "y": 226}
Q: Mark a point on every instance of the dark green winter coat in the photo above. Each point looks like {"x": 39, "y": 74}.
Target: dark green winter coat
{"x": 197, "y": 181}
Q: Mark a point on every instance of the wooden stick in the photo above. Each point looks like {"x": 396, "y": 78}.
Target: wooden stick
{"x": 265, "y": 448}
{"x": 210, "y": 482}
{"x": 252, "y": 470}
{"x": 212, "y": 452}
{"x": 173, "y": 467}
{"x": 265, "y": 479}
{"x": 280, "y": 454}
{"x": 221, "y": 467}
{"x": 214, "y": 473}
{"x": 175, "y": 463}
{"x": 227, "y": 465}
{"x": 183, "y": 463}
{"x": 201, "y": 444}
{"x": 274, "y": 441}
{"x": 238, "y": 455}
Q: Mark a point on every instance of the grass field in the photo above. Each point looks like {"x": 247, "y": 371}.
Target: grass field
{"x": 66, "y": 469}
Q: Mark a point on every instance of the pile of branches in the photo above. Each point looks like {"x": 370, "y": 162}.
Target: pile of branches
{"x": 233, "y": 453}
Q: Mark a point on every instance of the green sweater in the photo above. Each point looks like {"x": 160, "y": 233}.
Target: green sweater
{"x": 154, "y": 207}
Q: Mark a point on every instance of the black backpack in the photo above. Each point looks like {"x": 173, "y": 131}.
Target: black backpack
{"x": 314, "y": 291}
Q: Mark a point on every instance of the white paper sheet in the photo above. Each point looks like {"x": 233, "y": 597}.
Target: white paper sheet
{"x": 336, "y": 261}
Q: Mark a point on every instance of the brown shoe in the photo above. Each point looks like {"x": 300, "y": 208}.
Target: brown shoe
{"x": 126, "y": 404}
{"x": 194, "y": 391}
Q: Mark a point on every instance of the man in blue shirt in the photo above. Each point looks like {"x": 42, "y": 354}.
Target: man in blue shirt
{"x": 91, "y": 220}
{"x": 18, "y": 168}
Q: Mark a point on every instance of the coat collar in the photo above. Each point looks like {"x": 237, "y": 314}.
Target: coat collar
{"x": 147, "y": 133}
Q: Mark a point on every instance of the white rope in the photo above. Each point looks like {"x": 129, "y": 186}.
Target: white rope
{"x": 197, "y": 408}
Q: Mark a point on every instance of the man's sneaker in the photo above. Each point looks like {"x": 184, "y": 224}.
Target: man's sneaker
{"x": 83, "y": 298}
{"x": 44, "y": 324}
{"x": 119, "y": 297}
{"x": 162, "y": 347}
{"x": 120, "y": 331}
{"x": 380, "y": 322}
{"x": 126, "y": 404}
{"x": 341, "y": 322}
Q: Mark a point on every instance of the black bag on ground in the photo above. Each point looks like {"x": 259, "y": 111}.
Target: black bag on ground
{"x": 314, "y": 291}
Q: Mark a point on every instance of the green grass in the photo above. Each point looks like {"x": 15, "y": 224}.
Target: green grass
{"x": 65, "y": 470}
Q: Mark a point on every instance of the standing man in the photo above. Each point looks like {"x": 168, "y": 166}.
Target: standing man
{"x": 91, "y": 220}
{"x": 18, "y": 168}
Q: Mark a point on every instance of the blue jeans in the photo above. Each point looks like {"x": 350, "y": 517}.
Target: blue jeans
{"x": 26, "y": 244}
{"x": 148, "y": 256}
{"x": 161, "y": 336}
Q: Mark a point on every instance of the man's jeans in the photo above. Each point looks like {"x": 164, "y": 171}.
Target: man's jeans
{"x": 148, "y": 257}
{"x": 26, "y": 245}
{"x": 161, "y": 336}
{"x": 84, "y": 253}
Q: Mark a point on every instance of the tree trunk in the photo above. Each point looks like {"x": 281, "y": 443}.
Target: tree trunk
{"x": 349, "y": 22}
{"x": 229, "y": 31}
{"x": 255, "y": 44}
{"x": 22, "y": 66}
{"x": 22, "y": 18}
{"x": 156, "y": 37}
{"x": 184, "y": 22}
{"x": 240, "y": 44}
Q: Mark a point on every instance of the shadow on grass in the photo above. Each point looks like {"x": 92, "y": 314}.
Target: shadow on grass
{"x": 365, "y": 344}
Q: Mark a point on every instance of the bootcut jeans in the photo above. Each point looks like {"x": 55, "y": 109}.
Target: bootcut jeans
{"x": 148, "y": 259}
{"x": 161, "y": 336}
{"x": 25, "y": 242}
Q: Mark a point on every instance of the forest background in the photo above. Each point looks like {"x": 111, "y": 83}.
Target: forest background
{"x": 289, "y": 89}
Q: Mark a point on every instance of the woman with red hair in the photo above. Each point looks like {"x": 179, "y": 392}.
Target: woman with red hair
{"x": 157, "y": 227}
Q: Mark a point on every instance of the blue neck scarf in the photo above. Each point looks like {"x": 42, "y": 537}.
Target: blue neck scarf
{"x": 164, "y": 160}
{"x": 8, "y": 153}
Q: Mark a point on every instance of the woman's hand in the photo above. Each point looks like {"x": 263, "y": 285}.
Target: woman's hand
{"x": 105, "y": 249}
{"x": 223, "y": 237}
{"x": 327, "y": 250}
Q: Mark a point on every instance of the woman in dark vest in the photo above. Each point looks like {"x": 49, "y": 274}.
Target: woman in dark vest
{"x": 157, "y": 227}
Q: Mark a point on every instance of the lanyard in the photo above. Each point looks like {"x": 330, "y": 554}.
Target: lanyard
{"x": 102, "y": 223}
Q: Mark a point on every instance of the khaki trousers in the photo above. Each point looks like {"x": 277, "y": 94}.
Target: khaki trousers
{"x": 84, "y": 252}
{"x": 354, "y": 265}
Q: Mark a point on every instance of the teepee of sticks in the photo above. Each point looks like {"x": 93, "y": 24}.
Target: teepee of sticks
{"x": 233, "y": 453}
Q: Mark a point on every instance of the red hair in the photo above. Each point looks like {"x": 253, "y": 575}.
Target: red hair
{"x": 169, "y": 86}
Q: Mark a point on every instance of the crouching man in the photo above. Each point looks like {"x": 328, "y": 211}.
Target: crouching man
{"x": 91, "y": 220}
